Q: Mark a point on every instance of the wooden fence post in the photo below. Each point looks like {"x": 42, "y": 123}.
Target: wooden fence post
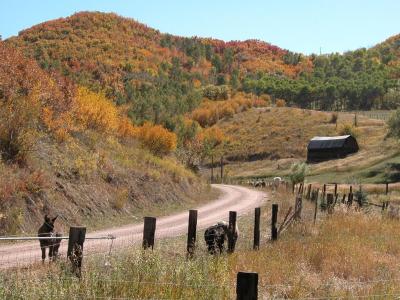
{"x": 222, "y": 168}
{"x": 212, "y": 168}
{"x": 75, "y": 248}
{"x": 298, "y": 207}
{"x": 330, "y": 203}
{"x": 149, "y": 230}
{"x": 192, "y": 225}
{"x": 232, "y": 231}
{"x": 274, "y": 220}
{"x": 257, "y": 215}
{"x": 316, "y": 206}
{"x": 308, "y": 195}
{"x": 247, "y": 286}
{"x": 350, "y": 199}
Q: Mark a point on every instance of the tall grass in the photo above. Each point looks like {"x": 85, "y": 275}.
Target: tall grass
{"x": 352, "y": 253}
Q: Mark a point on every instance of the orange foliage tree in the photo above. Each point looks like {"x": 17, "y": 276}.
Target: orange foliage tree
{"x": 210, "y": 112}
{"x": 28, "y": 98}
{"x": 157, "y": 139}
{"x": 211, "y": 138}
{"x": 280, "y": 103}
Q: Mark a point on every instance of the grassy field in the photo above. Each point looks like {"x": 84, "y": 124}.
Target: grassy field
{"x": 266, "y": 142}
{"x": 348, "y": 254}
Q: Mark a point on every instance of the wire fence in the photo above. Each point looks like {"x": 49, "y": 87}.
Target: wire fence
{"x": 106, "y": 248}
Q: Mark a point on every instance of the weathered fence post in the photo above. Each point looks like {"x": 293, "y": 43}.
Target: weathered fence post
{"x": 330, "y": 203}
{"x": 192, "y": 225}
{"x": 222, "y": 168}
{"x": 149, "y": 230}
{"x": 308, "y": 195}
{"x": 344, "y": 199}
{"x": 298, "y": 207}
{"x": 316, "y": 206}
{"x": 212, "y": 168}
{"x": 247, "y": 286}
{"x": 232, "y": 231}
{"x": 75, "y": 248}
{"x": 274, "y": 220}
{"x": 350, "y": 197}
{"x": 257, "y": 215}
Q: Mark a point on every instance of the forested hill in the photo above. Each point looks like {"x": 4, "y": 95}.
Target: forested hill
{"x": 361, "y": 79}
{"x": 161, "y": 75}
{"x": 131, "y": 61}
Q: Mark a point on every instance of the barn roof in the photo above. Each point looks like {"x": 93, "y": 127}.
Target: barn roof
{"x": 327, "y": 142}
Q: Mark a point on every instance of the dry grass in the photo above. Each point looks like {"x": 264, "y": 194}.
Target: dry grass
{"x": 348, "y": 254}
{"x": 265, "y": 142}
{"x": 91, "y": 176}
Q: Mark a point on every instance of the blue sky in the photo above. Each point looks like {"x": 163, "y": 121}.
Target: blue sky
{"x": 298, "y": 25}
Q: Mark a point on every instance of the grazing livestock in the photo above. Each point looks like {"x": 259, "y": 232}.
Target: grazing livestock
{"x": 216, "y": 235}
{"x": 47, "y": 230}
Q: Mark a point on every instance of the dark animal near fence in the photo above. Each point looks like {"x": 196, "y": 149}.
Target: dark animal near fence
{"x": 47, "y": 230}
{"x": 216, "y": 235}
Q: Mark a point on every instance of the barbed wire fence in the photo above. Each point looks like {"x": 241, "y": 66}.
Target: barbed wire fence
{"x": 105, "y": 248}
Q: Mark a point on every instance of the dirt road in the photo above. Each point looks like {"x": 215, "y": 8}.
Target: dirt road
{"x": 232, "y": 198}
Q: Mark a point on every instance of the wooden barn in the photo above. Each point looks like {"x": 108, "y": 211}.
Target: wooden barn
{"x": 322, "y": 148}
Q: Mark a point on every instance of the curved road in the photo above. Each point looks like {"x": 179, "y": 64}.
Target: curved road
{"x": 232, "y": 198}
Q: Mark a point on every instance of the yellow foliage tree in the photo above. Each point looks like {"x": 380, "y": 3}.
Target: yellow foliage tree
{"x": 156, "y": 138}
{"x": 95, "y": 111}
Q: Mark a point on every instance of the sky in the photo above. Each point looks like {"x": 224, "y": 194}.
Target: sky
{"x": 306, "y": 26}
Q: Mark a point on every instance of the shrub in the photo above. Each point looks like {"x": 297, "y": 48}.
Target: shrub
{"x": 280, "y": 103}
{"x": 121, "y": 199}
{"x": 157, "y": 139}
{"x": 125, "y": 128}
{"x": 298, "y": 172}
{"x": 210, "y": 112}
{"x": 19, "y": 120}
{"x": 94, "y": 111}
{"x": 394, "y": 124}
{"x": 267, "y": 99}
{"x": 213, "y": 92}
{"x": 212, "y": 137}
{"x": 361, "y": 197}
{"x": 348, "y": 129}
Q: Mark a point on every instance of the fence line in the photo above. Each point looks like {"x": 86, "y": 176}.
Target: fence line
{"x": 295, "y": 216}
{"x": 32, "y": 238}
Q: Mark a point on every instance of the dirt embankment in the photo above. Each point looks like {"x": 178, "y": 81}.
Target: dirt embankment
{"x": 100, "y": 185}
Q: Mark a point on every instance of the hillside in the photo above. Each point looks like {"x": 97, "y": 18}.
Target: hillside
{"x": 161, "y": 75}
{"x": 158, "y": 74}
{"x": 109, "y": 92}
{"x": 68, "y": 151}
{"x": 267, "y": 141}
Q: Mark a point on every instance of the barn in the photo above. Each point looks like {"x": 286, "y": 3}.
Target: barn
{"x": 322, "y": 148}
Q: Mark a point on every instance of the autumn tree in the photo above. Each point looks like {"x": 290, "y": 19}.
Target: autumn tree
{"x": 95, "y": 111}
{"x": 156, "y": 139}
